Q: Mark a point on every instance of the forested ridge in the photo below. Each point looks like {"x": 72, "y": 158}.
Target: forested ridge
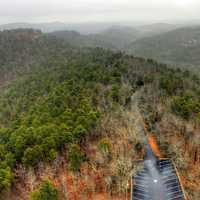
{"x": 178, "y": 47}
{"x": 57, "y": 97}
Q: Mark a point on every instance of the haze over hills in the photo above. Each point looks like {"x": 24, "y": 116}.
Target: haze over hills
{"x": 114, "y": 37}
{"x": 180, "y": 46}
{"x": 91, "y": 28}
{"x": 165, "y": 42}
{"x": 118, "y": 36}
{"x": 44, "y": 27}
{"x": 83, "y": 28}
{"x": 157, "y": 28}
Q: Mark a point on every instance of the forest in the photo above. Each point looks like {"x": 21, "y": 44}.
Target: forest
{"x": 56, "y": 101}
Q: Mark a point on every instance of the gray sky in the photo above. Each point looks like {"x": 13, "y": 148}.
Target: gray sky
{"x": 97, "y": 10}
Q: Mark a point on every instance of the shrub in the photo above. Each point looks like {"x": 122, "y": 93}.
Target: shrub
{"x": 76, "y": 157}
{"x": 104, "y": 145}
{"x": 32, "y": 156}
{"x": 47, "y": 191}
{"x": 185, "y": 105}
{"x": 5, "y": 178}
{"x": 171, "y": 84}
{"x": 79, "y": 132}
{"x": 114, "y": 93}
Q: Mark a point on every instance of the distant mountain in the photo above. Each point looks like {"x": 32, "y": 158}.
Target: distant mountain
{"x": 44, "y": 27}
{"x": 83, "y": 28}
{"x": 118, "y": 36}
{"x": 157, "y": 28}
{"x": 114, "y": 37}
{"x": 90, "y": 28}
{"x": 164, "y": 42}
{"x": 180, "y": 46}
{"x": 121, "y": 36}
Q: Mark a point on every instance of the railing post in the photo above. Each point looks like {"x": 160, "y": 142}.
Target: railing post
{"x": 179, "y": 178}
{"x": 131, "y": 188}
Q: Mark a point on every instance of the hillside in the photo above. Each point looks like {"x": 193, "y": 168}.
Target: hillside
{"x": 118, "y": 36}
{"x": 115, "y": 37}
{"x": 179, "y": 46}
{"x": 20, "y": 49}
{"x": 157, "y": 28}
{"x": 91, "y": 35}
{"x": 69, "y": 119}
{"x": 78, "y": 40}
{"x": 112, "y": 38}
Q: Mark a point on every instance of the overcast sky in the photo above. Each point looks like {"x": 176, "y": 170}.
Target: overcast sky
{"x": 97, "y": 10}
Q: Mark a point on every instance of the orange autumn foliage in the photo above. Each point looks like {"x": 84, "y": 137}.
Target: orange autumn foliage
{"x": 154, "y": 146}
